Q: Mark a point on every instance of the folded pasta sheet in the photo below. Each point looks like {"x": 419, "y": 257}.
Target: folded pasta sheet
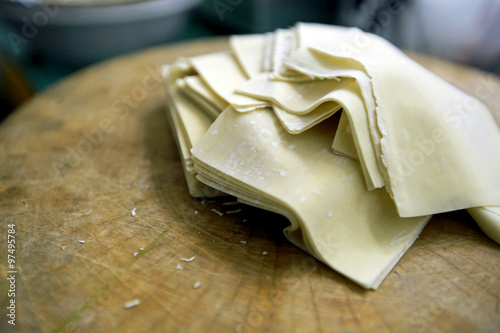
{"x": 261, "y": 122}
{"x": 187, "y": 122}
{"x": 356, "y": 232}
{"x": 428, "y": 130}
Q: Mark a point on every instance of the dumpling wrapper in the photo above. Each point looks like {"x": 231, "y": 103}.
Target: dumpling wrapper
{"x": 440, "y": 146}
{"x": 197, "y": 90}
{"x": 296, "y": 124}
{"x": 222, "y": 73}
{"x": 249, "y": 50}
{"x": 343, "y": 143}
{"x": 317, "y": 66}
{"x": 310, "y": 95}
{"x": 356, "y": 232}
{"x": 284, "y": 42}
{"x": 188, "y": 124}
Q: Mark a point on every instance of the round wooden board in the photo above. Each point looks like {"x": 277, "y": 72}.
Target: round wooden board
{"x": 79, "y": 157}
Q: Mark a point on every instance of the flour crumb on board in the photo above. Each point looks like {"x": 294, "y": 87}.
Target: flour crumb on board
{"x": 187, "y": 259}
{"x": 264, "y": 253}
{"x": 135, "y": 254}
{"x": 196, "y": 285}
{"x": 217, "y": 212}
{"x": 179, "y": 267}
{"x": 81, "y": 241}
{"x": 243, "y": 242}
{"x": 195, "y": 212}
{"x": 230, "y": 203}
{"x": 141, "y": 249}
{"x": 133, "y": 212}
{"x": 131, "y": 304}
{"x": 131, "y": 230}
{"x": 63, "y": 247}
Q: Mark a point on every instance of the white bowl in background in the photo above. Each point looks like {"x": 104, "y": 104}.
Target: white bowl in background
{"x": 84, "y": 31}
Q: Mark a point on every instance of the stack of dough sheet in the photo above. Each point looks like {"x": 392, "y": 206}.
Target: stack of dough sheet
{"x": 340, "y": 132}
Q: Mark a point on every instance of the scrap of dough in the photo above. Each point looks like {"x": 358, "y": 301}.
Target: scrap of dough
{"x": 356, "y": 232}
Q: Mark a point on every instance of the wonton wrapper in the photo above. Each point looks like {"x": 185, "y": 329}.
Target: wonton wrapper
{"x": 309, "y": 96}
{"x": 440, "y": 146}
{"x": 188, "y": 124}
{"x": 394, "y": 112}
{"x": 356, "y": 232}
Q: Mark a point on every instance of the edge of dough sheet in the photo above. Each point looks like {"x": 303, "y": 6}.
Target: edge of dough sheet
{"x": 249, "y": 51}
{"x": 488, "y": 219}
{"x": 222, "y": 73}
{"x": 183, "y": 142}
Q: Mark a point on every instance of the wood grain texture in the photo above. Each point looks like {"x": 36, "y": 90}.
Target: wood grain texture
{"x": 77, "y": 158}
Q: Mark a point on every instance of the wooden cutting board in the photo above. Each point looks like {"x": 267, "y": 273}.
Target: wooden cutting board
{"x": 79, "y": 157}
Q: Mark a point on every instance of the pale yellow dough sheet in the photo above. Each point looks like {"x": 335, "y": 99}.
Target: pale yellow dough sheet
{"x": 195, "y": 98}
{"x": 344, "y": 139}
{"x": 277, "y": 146}
{"x": 188, "y": 124}
{"x": 296, "y": 124}
{"x": 316, "y": 66}
{"x": 308, "y": 96}
{"x": 245, "y": 48}
{"x": 210, "y": 102}
{"x": 440, "y": 146}
{"x": 356, "y": 232}
{"x": 222, "y": 73}
{"x": 249, "y": 50}
{"x": 284, "y": 42}
{"x": 488, "y": 219}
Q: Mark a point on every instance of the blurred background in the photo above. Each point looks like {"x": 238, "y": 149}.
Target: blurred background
{"x": 42, "y": 41}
